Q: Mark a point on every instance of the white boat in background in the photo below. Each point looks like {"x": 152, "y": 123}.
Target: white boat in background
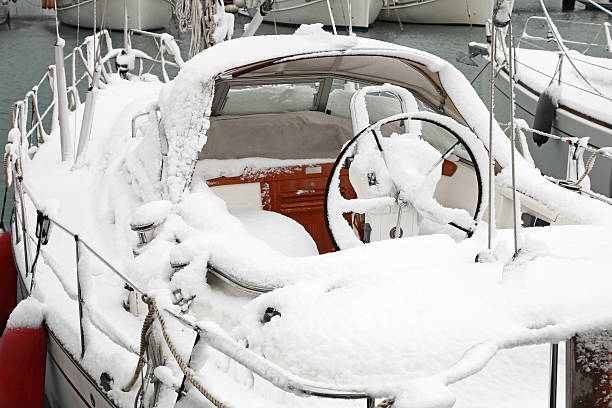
{"x": 603, "y": 3}
{"x": 463, "y": 12}
{"x": 142, "y": 14}
{"x": 297, "y": 12}
{"x": 564, "y": 93}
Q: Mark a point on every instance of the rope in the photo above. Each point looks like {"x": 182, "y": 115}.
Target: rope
{"x": 143, "y": 346}
{"x": 594, "y": 40}
{"x": 6, "y": 169}
{"x": 587, "y": 168}
{"x": 184, "y": 368}
{"x": 386, "y": 403}
{"x": 3, "y": 207}
{"x": 189, "y": 375}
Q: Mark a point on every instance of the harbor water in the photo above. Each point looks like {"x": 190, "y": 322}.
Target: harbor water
{"x": 26, "y": 47}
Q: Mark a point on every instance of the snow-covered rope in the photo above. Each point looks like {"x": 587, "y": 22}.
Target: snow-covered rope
{"x": 187, "y": 372}
{"x": 591, "y": 162}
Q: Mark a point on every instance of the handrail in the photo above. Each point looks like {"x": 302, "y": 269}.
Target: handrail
{"x": 83, "y": 241}
{"x": 563, "y": 48}
{"x": 526, "y": 35}
{"x": 473, "y": 360}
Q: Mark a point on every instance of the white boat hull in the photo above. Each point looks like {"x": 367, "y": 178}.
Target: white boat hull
{"x": 465, "y": 12}
{"x": 298, "y": 12}
{"x": 142, "y": 14}
{"x": 551, "y": 157}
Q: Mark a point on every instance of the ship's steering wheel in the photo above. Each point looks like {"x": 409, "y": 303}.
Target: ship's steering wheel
{"x": 395, "y": 195}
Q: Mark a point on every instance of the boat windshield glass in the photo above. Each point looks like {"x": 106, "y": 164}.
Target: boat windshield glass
{"x": 270, "y": 98}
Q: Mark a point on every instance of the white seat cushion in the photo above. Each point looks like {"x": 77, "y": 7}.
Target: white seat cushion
{"x": 278, "y": 231}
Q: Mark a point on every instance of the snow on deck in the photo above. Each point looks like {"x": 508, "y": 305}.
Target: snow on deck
{"x": 537, "y": 68}
{"x": 395, "y": 311}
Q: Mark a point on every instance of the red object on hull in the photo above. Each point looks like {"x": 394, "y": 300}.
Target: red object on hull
{"x": 8, "y": 280}
{"x": 22, "y": 368}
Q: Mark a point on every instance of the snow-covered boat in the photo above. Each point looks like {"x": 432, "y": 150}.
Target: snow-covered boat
{"x": 142, "y": 14}
{"x": 603, "y": 3}
{"x": 178, "y": 257}
{"x": 361, "y": 14}
{"x": 469, "y": 12}
{"x": 563, "y": 92}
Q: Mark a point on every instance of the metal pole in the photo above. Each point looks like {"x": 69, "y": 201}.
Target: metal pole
{"x": 512, "y": 137}
{"x": 24, "y": 228}
{"x": 491, "y": 119}
{"x": 350, "y": 13}
{"x": 87, "y": 122}
{"x": 125, "y": 25}
{"x": 66, "y": 143}
{"x": 371, "y": 403}
{"x": 331, "y": 17}
{"x": 554, "y": 362}
{"x": 79, "y": 294}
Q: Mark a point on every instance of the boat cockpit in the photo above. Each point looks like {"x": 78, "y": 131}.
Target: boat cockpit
{"x": 279, "y": 129}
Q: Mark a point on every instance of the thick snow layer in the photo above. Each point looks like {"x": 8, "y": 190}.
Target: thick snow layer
{"x": 279, "y": 232}
{"x": 28, "y": 314}
{"x": 416, "y": 316}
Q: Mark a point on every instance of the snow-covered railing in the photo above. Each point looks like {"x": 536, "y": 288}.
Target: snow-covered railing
{"x": 44, "y": 223}
{"x": 603, "y": 28}
{"x": 166, "y": 45}
{"x": 574, "y": 159}
{"x": 82, "y": 60}
{"x": 472, "y": 361}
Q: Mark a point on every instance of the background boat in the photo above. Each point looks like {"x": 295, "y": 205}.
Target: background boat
{"x": 580, "y": 97}
{"x": 298, "y": 12}
{"x": 603, "y": 3}
{"x": 143, "y": 14}
{"x": 469, "y": 12}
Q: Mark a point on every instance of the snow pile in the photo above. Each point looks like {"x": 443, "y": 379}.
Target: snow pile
{"x": 151, "y": 213}
{"x": 28, "y": 314}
